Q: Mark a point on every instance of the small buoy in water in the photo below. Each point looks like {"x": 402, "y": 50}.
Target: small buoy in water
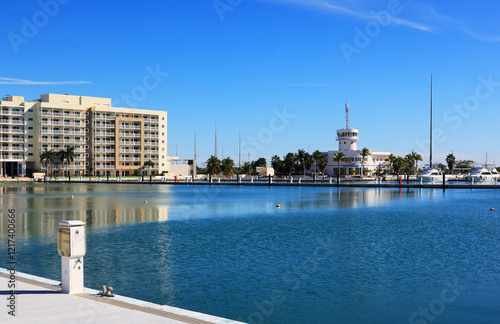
{"x": 72, "y": 196}
{"x": 492, "y": 208}
{"x": 278, "y": 206}
{"x": 145, "y": 201}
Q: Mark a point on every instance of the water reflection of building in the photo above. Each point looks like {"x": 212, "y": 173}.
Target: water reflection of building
{"x": 40, "y": 208}
{"x": 34, "y": 222}
{"x": 352, "y": 198}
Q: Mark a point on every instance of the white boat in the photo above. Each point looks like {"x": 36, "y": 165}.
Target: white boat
{"x": 430, "y": 175}
{"x": 482, "y": 174}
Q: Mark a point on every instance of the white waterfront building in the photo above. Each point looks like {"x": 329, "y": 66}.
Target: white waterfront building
{"x": 348, "y": 138}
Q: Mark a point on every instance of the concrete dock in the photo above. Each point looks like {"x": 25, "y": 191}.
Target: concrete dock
{"x": 308, "y": 183}
{"x": 40, "y": 300}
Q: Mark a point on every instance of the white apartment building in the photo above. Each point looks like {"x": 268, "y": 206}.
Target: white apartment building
{"x": 107, "y": 140}
{"x": 12, "y": 135}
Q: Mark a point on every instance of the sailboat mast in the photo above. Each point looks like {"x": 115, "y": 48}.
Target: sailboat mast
{"x": 430, "y": 156}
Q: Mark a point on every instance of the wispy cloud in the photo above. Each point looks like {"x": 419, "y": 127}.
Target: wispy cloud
{"x": 483, "y": 37}
{"x": 348, "y": 12}
{"x": 302, "y": 85}
{"x": 312, "y": 85}
{"x": 424, "y": 16}
{"x": 30, "y": 82}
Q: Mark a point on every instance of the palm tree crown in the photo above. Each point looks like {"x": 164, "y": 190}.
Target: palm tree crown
{"x": 67, "y": 155}
{"x": 227, "y": 166}
{"x": 213, "y": 165}
{"x": 364, "y": 152}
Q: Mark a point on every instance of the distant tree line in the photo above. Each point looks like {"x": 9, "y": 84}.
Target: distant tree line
{"x": 302, "y": 163}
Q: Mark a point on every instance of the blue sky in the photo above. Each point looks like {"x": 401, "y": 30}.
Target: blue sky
{"x": 278, "y": 71}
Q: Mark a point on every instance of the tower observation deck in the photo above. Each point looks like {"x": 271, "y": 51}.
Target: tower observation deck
{"x": 348, "y": 136}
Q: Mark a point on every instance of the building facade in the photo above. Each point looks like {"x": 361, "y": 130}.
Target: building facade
{"x": 12, "y": 135}
{"x": 354, "y": 162}
{"x": 105, "y": 140}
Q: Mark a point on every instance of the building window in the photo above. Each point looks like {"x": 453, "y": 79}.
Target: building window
{"x": 162, "y": 126}
{"x": 30, "y": 119}
{"x": 162, "y": 141}
{"x": 162, "y": 134}
{"x": 30, "y": 145}
{"x": 30, "y": 110}
{"x": 30, "y": 136}
{"x": 30, "y": 154}
{"x": 30, "y": 128}
{"x": 86, "y": 138}
{"x": 163, "y": 118}
{"x": 86, "y": 147}
{"x": 163, "y": 164}
{"x": 163, "y": 149}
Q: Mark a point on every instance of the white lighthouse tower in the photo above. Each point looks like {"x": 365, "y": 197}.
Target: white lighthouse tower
{"x": 348, "y": 136}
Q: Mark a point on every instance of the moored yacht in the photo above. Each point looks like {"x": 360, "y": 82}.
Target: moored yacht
{"x": 482, "y": 174}
{"x": 430, "y": 175}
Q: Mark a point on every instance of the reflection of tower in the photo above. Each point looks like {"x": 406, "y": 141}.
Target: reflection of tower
{"x": 347, "y": 136}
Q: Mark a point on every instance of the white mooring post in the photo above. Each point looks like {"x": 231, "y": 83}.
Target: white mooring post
{"x": 71, "y": 246}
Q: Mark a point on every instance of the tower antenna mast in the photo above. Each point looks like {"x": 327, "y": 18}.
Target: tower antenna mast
{"x": 347, "y": 115}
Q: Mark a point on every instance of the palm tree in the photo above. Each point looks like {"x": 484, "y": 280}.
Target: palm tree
{"x": 276, "y": 163}
{"x": 149, "y": 164}
{"x": 289, "y": 161}
{"x": 49, "y": 157}
{"x": 450, "y": 160}
{"x": 308, "y": 162}
{"x": 390, "y": 161}
{"x": 323, "y": 163}
{"x": 364, "y": 152}
{"x": 90, "y": 169}
{"x": 227, "y": 166}
{"x": 317, "y": 155}
{"x": 67, "y": 155}
{"x": 45, "y": 157}
{"x": 213, "y": 165}
{"x": 412, "y": 158}
{"x": 299, "y": 158}
{"x": 246, "y": 168}
{"x": 338, "y": 157}
{"x": 400, "y": 165}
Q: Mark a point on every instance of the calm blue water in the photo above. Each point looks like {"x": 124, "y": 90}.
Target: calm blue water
{"x": 327, "y": 255}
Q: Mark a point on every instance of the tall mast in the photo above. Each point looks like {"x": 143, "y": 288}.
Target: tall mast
{"x": 239, "y": 159}
{"x": 430, "y": 156}
{"x": 194, "y": 162}
{"x": 215, "y": 139}
{"x": 346, "y": 115}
